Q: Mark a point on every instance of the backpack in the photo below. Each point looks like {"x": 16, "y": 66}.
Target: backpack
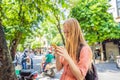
{"x": 92, "y": 72}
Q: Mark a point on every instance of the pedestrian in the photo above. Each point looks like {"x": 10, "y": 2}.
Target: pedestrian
{"x": 76, "y": 57}
{"x": 24, "y": 58}
{"x": 31, "y": 55}
{"x": 111, "y": 56}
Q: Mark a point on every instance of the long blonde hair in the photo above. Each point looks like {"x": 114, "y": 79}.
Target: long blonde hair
{"x": 75, "y": 37}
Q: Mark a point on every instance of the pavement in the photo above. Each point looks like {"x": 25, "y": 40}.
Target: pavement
{"x": 106, "y": 70}
{"x": 37, "y": 62}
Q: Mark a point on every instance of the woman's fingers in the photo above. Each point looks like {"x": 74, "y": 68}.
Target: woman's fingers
{"x": 59, "y": 53}
{"x": 60, "y": 48}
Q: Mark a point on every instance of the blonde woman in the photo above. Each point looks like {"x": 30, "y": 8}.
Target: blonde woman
{"x": 75, "y": 58}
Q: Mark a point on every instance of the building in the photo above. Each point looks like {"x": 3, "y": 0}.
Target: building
{"x": 112, "y": 46}
{"x": 115, "y": 8}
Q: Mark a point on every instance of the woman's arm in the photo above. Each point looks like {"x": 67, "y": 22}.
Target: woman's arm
{"x": 78, "y": 70}
{"x": 74, "y": 69}
{"x": 58, "y": 64}
{"x": 61, "y": 51}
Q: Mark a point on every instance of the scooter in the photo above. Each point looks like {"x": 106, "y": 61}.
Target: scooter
{"x": 50, "y": 70}
{"x": 28, "y": 74}
{"x": 118, "y": 62}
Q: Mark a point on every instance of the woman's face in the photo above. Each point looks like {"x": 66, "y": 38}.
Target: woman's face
{"x": 66, "y": 31}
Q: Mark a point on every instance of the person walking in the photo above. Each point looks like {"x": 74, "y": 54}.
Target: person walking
{"x": 24, "y": 58}
{"x": 76, "y": 57}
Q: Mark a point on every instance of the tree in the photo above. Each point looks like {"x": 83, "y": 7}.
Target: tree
{"x": 6, "y": 66}
{"x": 20, "y": 18}
{"x": 97, "y": 24}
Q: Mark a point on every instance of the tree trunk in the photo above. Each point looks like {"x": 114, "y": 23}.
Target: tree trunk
{"x": 13, "y": 48}
{"x": 93, "y": 52}
{"x": 7, "y": 71}
{"x": 101, "y": 52}
{"x": 14, "y": 44}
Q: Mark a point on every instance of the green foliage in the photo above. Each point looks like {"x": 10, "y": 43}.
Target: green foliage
{"x": 19, "y": 17}
{"x": 35, "y": 44}
{"x": 96, "y": 22}
{"x": 57, "y": 40}
{"x": 31, "y": 18}
{"x": 20, "y": 47}
{"x": 49, "y": 31}
{"x": 50, "y": 27}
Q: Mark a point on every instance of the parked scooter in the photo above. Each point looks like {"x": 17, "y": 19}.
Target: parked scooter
{"x": 28, "y": 74}
{"x": 118, "y": 62}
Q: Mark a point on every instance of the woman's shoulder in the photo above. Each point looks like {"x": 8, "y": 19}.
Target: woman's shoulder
{"x": 86, "y": 46}
{"x": 86, "y": 49}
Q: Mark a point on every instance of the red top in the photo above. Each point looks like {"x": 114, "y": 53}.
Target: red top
{"x": 83, "y": 64}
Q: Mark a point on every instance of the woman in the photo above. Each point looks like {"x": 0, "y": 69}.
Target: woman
{"x": 75, "y": 58}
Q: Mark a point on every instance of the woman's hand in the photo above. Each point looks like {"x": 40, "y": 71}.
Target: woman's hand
{"x": 62, "y": 52}
{"x": 59, "y": 65}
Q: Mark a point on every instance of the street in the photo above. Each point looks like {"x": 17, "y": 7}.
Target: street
{"x": 106, "y": 70}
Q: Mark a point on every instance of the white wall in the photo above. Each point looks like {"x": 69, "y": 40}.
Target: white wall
{"x": 113, "y": 9}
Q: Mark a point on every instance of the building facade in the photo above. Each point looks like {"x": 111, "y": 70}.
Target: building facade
{"x": 115, "y": 8}
{"x": 112, "y": 46}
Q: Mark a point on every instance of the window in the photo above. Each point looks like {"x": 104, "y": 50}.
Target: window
{"x": 118, "y": 4}
{"x": 118, "y": 11}
{"x": 118, "y": 7}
